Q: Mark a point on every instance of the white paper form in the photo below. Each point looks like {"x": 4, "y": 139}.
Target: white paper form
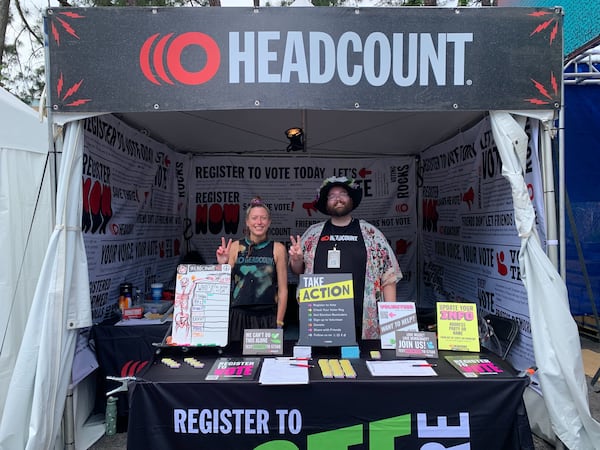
{"x": 401, "y": 368}
{"x": 283, "y": 371}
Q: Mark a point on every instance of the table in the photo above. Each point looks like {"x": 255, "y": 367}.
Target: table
{"x": 123, "y": 351}
{"x": 177, "y": 408}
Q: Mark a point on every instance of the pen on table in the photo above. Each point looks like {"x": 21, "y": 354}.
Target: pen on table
{"x": 299, "y": 359}
{"x": 424, "y": 365}
{"x": 302, "y": 365}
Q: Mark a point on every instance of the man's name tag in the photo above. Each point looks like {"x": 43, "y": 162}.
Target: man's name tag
{"x": 333, "y": 259}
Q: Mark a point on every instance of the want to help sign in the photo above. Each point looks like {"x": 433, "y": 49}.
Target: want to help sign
{"x": 395, "y": 316}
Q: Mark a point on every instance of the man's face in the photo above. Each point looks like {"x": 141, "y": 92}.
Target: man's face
{"x": 339, "y": 203}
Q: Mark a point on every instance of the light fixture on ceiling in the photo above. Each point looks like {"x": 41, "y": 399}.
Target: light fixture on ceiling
{"x": 296, "y": 137}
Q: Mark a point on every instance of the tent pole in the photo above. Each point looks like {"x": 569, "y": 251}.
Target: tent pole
{"x": 561, "y": 190}
{"x": 69, "y": 421}
{"x": 549, "y": 193}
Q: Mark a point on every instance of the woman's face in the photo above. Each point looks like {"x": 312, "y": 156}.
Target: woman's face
{"x": 258, "y": 222}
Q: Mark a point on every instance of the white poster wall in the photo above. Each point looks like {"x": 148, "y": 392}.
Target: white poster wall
{"x": 221, "y": 187}
{"x": 469, "y": 240}
{"x": 134, "y": 198}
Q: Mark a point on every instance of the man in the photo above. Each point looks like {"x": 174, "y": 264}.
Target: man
{"x": 343, "y": 244}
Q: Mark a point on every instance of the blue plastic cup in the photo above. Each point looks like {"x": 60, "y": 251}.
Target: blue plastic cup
{"x": 157, "y": 291}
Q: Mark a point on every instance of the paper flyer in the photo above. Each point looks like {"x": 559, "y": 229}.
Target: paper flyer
{"x": 473, "y": 366}
{"x": 457, "y": 326}
{"x": 395, "y": 316}
{"x": 201, "y": 309}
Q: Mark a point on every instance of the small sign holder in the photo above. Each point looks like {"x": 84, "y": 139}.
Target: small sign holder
{"x": 268, "y": 341}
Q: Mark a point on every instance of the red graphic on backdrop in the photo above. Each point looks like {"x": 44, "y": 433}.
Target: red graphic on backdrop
{"x": 153, "y": 58}
{"x": 502, "y": 269}
{"x": 130, "y": 368}
{"x": 402, "y": 246}
{"x": 310, "y": 206}
{"x": 542, "y": 89}
{"x": 430, "y": 215}
{"x": 546, "y": 24}
{"x": 364, "y": 172}
{"x": 64, "y": 25}
{"x": 71, "y": 91}
{"x": 217, "y": 217}
{"x": 97, "y": 208}
{"x": 468, "y": 197}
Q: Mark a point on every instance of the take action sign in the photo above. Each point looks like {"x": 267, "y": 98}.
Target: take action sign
{"x": 326, "y": 310}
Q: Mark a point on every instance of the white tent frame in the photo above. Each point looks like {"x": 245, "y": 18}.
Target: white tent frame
{"x": 61, "y": 305}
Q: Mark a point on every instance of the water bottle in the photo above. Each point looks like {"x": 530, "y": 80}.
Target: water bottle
{"x": 111, "y": 416}
{"x": 139, "y": 298}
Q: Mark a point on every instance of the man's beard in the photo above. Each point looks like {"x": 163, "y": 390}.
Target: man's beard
{"x": 340, "y": 212}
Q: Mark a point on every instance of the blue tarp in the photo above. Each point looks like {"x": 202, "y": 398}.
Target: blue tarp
{"x": 582, "y": 176}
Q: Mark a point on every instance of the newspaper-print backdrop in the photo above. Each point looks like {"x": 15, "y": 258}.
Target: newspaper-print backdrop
{"x": 221, "y": 187}
{"x": 469, "y": 240}
{"x": 134, "y": 198}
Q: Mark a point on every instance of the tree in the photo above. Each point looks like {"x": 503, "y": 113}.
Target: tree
{"x": 21, "y": 51}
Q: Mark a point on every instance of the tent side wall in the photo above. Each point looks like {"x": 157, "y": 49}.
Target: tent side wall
{"x": 25, "y": 222}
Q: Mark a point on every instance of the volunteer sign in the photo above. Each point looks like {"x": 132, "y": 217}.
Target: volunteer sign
{"x": 165, "y": 59}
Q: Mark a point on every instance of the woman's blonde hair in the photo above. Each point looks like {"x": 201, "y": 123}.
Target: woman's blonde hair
{"x": 255, "y": 203}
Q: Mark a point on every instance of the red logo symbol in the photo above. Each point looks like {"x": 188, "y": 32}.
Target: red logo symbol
{"x": 153, "y": 58}
{"x": 130, "y": 368}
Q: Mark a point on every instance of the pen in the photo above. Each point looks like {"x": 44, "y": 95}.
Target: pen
{"x": 302, "y": 365}
{"x": 299, "y": 359}
{"x": 424, "y": 365}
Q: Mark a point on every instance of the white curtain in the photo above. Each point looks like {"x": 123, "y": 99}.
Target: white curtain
{"x": 556, "y": 342}
{"x": 61, "y": 304}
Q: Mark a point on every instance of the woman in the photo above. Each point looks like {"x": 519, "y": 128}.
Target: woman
{"x": 259, "y": 275}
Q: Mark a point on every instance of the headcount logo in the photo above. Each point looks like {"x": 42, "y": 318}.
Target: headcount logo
{"x": 154, "y": 55}
{"x": 313, "y": 57}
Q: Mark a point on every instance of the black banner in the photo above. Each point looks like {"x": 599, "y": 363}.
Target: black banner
{"x": 385, "y": 59}
{"x": 174, "y": 409}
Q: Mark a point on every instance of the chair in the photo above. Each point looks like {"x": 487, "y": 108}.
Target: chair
{"x": 501, "y": 334}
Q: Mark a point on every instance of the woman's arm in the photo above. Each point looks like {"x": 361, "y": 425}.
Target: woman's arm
{"x": 280, "y": 256}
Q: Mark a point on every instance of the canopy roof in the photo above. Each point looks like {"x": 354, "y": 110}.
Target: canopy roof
{"x": 359, "y": 81}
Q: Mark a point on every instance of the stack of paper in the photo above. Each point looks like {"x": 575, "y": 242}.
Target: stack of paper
{"x": 395, "y": 368}
{"x": 283, "y": 371}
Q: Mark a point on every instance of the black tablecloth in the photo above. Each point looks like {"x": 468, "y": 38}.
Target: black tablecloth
{"x": 177, "y": 408}
{"x": 124, "y": 351}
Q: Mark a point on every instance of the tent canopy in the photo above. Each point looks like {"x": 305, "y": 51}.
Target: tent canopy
{"x": 359, "y": 81}
{"x": 333, "y": 133}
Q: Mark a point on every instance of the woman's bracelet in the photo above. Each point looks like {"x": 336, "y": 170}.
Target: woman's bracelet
{"x": 280, "y": 323}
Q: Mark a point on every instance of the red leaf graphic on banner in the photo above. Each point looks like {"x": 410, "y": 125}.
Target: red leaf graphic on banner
{"x": 79, "y": 102}
{"x": 539, "y": 13}
{"x": 536, "y": 101}
{"x": 59, "y": 86}
{"x": 554, "y": 83}
{"x": 73, "y": 89}
{"x": 542, "y": 27}
{"x": 68, "y": 28}
{"x": 55, "y": 34}
{"x": 72, "y": 15}
{"x": 542, "y": 90}
{"x": 554, "y": 32}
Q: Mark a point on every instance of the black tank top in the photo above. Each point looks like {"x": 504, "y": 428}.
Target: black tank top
{"x": 254, "y": 278}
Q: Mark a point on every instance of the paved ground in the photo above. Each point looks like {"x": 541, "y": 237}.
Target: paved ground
{"x": 119, "y": 440}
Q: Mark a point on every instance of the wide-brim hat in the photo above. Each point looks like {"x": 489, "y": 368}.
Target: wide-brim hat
{"x": 351, "y": 186}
